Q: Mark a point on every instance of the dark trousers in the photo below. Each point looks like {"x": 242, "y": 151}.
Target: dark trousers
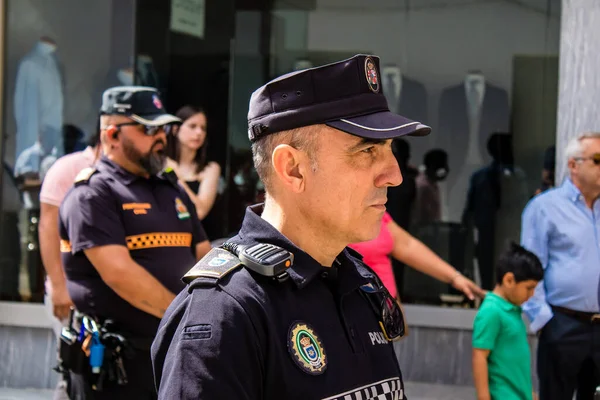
{"x": 568, "y": 358}
{"x": 140, "y": 383}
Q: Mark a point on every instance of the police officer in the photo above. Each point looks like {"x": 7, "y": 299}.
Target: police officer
{"x": 128, "y": 233}
{"x": 306, "y": 319}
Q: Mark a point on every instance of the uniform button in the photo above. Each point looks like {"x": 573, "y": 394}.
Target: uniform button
{"x": 325, "y": 275}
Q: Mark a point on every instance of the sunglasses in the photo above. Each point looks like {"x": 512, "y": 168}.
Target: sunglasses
{"x": 595, "y": 158}
{"x": 391, "y": 319}
{"x": 152, "y": 130}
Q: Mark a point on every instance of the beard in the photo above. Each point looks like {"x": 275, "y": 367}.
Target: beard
{"x": 152, "y": 162}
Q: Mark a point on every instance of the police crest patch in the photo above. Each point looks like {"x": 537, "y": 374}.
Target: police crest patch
{"x": 182, "y": 211}
{"x": 371, "y": 74}
{"x": 157, "y": 102}
{"x": 306, "y": 349}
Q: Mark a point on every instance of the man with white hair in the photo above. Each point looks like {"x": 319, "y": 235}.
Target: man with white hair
{"x": 561, "y": 226}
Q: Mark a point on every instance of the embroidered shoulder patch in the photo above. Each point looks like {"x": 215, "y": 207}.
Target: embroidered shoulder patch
{"x": 306, "y": 349}
{"x": 216, "y": 264}
{"x": 85, "y": 174}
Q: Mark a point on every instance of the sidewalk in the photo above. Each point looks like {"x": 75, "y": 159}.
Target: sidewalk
{"x": 414, "y": 391}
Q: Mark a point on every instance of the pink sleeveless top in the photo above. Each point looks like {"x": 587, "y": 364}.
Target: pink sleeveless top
{"x": 376, "y": 254}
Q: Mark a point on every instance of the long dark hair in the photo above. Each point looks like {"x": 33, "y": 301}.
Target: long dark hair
{"x": 173, "y": 145}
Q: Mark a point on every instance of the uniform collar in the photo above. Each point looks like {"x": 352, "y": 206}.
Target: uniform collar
{"x": 351, "y": 272}
{"x": 120, "y": 173}
{"x": 502, "y": 302}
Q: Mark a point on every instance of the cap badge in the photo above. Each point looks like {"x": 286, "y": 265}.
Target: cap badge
{"x": 306, "y": 349}
{"x": 157, "y": 102}
{"x": 371, "y": 74}
{"x": 182, "y": 211}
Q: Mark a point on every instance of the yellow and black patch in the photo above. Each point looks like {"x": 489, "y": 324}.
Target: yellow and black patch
{"x": 84, "y": 175}
{"x": 216, "y": 264}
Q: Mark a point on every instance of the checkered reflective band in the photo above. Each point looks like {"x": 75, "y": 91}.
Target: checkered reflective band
{"x": 389, "y": 389}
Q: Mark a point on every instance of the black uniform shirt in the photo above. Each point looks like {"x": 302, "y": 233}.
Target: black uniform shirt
{"x": 153, "y": 217}
{"x": 249, "y": 337}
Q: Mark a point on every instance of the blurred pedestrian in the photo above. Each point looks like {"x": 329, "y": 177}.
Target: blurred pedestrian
{"x": 396, "y": 242}
{"x": 561, "y": 227}
{"x": 187, "y": 152}
{"x": 501, "y": 357}
{"x": 56, "y": 184}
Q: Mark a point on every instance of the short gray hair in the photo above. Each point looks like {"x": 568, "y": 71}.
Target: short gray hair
{"x": 574, "y": 148}
{"x": 304, "y": 138}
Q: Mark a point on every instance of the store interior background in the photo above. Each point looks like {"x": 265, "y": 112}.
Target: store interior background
{"x": 514, "y": 43}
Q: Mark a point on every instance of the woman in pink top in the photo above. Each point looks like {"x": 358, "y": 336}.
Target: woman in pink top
{"x": 396, "y": 242}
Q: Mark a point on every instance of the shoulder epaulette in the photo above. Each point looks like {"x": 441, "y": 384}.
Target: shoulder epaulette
{"x": 217, "y": 264}
{"x": 170, "y": 175}
{"x": 84, "y": 175}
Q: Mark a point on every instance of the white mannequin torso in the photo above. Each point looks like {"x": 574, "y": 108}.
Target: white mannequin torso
{"x": 474, "y": 105}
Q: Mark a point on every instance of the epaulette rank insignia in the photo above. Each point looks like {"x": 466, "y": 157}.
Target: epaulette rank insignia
{"x": 216, "y": 265}
{"x": 84, "y": 175}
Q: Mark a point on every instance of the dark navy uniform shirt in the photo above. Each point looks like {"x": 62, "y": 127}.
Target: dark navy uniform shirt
{"x": 247, "y": 336}
{"x": 153, "y": 218}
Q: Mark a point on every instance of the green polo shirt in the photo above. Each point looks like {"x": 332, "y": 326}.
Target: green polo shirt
{"x": 498, "y": 327}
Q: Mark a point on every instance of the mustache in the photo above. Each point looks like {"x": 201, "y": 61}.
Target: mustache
{"x": 159, "y": 141}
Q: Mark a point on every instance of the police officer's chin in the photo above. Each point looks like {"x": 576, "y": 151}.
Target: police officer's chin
{"x": 154, "y": 162}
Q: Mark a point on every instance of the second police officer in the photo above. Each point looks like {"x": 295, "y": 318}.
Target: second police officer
{"x": 306, "y": 319}
{"x": 128, "y": 233}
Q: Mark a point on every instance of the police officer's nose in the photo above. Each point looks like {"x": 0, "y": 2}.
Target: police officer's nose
{"x": 390, "y": 174}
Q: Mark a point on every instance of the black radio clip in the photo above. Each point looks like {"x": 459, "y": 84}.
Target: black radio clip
{"x": 263, "y": 258}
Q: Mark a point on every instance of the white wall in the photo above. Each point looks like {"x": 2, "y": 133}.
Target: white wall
{"x": 82, "y": 30}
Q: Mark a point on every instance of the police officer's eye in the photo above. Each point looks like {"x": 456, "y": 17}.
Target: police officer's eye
{"x": 368, "y": 150}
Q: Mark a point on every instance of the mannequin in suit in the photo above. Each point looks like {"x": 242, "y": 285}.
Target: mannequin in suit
{"x": 407, "y": 97}
{"x": 469, "y": 112}
{"x": 404, "y": 95}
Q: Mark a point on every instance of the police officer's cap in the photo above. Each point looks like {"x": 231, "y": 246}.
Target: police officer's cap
{"x": 345, "y": 95}
{"x": 141, "y": 104}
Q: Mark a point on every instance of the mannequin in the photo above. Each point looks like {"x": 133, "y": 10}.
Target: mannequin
{"x": 407, "y": 97}
{"x": 469, "y": 112}
{"x": 475, "y": 93}
{"x": 38, "y": 103}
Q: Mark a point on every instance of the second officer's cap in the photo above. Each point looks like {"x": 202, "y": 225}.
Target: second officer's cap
{"x": 140, "y": 103}
{"x": 346, "y": 95}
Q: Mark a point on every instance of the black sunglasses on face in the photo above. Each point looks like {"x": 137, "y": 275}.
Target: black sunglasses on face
{"x": 391, "y": 319}
{"x": 152, "y": 130}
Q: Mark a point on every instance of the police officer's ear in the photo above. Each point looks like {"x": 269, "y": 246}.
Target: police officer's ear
{"x": 112, "y": 133}
{"x": 290, "y": 167}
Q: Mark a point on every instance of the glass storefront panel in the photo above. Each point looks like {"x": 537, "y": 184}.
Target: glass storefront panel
{"x": 484, "y": 76}
{"x": 58, "y": 58}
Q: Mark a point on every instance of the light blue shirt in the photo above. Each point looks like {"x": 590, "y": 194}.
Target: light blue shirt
{"x": 563, "y": 232}
{"x": 38, "y": 100}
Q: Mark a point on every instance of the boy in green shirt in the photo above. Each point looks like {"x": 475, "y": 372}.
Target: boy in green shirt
{"x": 501, "y": 358}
